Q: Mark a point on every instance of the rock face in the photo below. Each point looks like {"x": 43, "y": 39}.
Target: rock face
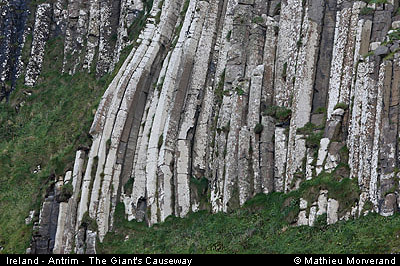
{"x": 13, "y": 17}
{"x": 94, "y": 34}
{"x": 221, "y": 100}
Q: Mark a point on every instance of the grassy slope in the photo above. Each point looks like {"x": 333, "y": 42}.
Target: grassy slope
{"x": 53, "y": 122}
{"x": 46, "y": 131}
{"x": 259, "y": 227}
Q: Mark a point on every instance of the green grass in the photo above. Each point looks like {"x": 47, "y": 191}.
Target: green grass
{"x": 313, "y": 134}
{"x": 47, "y": 130}
{"x": 367, "y": 11}
{"x": 258, "y": 20}
{"x": 280, "y": 113}
{"x": 258, "y": 227}
{"x": 258, "y": 128}
{"x": 343, "y": 106}
{"x": 45, "y": 125}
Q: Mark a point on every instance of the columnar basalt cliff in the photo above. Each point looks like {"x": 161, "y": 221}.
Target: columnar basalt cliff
{"x": 221, "y": 100}
{"x": 94, "y": 33}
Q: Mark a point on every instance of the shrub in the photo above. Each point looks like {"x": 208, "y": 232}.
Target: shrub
{"x": 367, "y": 11}
{"x": 280, "y": 113}
{"x": 320, "y": 110}
{"x": 341, "y": 106}
{"x": 239, "y": 90}
{"x": 258, "y": 128}
{"x": 67, "y": 190}
{"x": 284, "y": 71}
{"x": 313, "y": 140}
{"x": 88, "y": 222}
{"x": 258, "y": 20}
{"x": 307, "y": 129}
{"x": 229, "y": 35}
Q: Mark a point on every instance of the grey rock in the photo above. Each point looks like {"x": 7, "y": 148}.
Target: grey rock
{"x": 389, "y": 206}
{"x": 381, "y": 50}
{"x": 246, "y": 2}
{"x": 318, "y": 119}
{"x": 395, "y": 46}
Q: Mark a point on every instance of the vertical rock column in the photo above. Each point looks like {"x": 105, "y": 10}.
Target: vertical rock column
{"x": 189, "y": 119}
{"x": 213, "y": 117}
{"x": 66, "y": 226}
{"x": 129, "y": 11}
{"x": 44, "y": 235}
{"x": 382, "y": 169}
{"x": 365, "y": 100}
{"x": 159, "y": 183}
{"x": 93, "y": 33}
{"x": 110, "y": 163}
{"x": 75, "y": 35}
{"x": 236, "y": 91}
{"x": 250, "y": 182}
{"x": 290, "y": 23}
{"x": 250, "y": 156}
{"x": 266, "y": 146}
{"x": 342, "y": 56}
{"x": 13, "y": 31}
{"x": 40, "y": 35}
{"x": 60, "y": 16}
{"x": 108, "y": 12}
{"x": 62, "y": 215}
{"x": 363, "y": 36}
{"x": 303, "y": 91}
{"x": 132, "y": 205}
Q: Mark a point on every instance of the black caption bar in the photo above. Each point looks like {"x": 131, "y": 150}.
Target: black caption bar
{"x": 192, "y": 260}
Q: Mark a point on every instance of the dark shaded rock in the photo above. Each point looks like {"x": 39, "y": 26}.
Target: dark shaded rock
{"x": 141, "y": 209}
{"x": 389, "y": 205}
{"x": 318, "y": 119}
{"x": 395, "y": 46}
{"x": 381, "y": 25}
{"x": 381, "y": 51}
{"x": 13, "y": 18}
{"x": 321, "y": 84}
{"x": 45, "y": 232}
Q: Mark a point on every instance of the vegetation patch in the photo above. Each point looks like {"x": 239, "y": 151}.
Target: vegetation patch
{"x": 258, "y": 20}
{"x": 88, "y": 222}
{"x": 314, "y": 139}
{"x": 239, "y": 90}
{"x": 228, "y": 35}
{"x": 258, "y": 128}
{"x": 345, "y": 190}
{"x": 128, "y": 186}
{"x": 280, "y": 113}
{"x": 320, "y": 110}
{"x": 67, "y": 190}
{"x": 219, "y": 89}
{"x": 367, "y": 11}
{"x": 45, "y": 125}
{"x": 262, "y": 225}
{"x": 343, "y": 106}
{"x": 313, "y": 134}
{"x": 277, "y": 9}
{"x": 201, "y": 193}
{"x": 284, "y": 71}
{"x": 378, "y": 2}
